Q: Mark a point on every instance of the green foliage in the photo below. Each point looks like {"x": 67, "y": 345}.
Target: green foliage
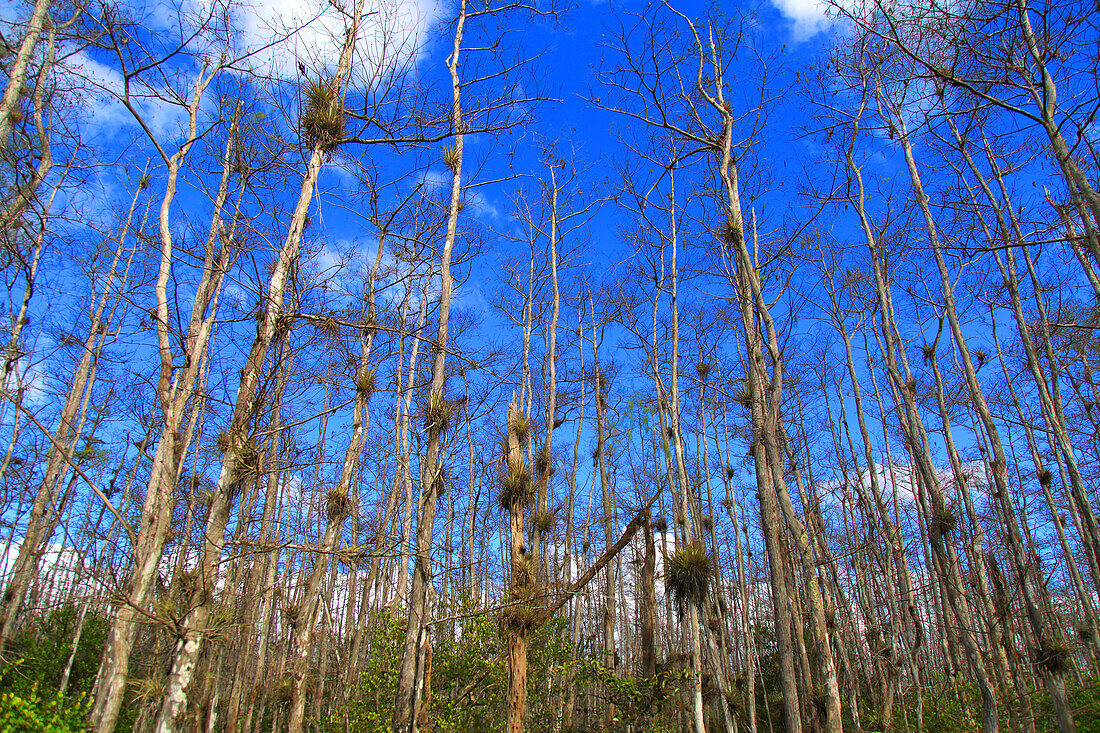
{"x": 29, "y": 712}
{"x": 322, "y": 114}
{"x": 44, "y": 645}
{"x": 643, "y": 704}
{"x": 1085, "y": 701}
{"x": 956, "y": 708}
{"x": 469, "y": 675}
{"x": 91, "y": 452}
{"x": 371, "y": 705}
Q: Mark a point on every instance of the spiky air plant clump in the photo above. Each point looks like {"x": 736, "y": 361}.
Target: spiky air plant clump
{"x": 703, "y": 369}
{"x": 323, "y": 115}
{"x": 543, "y": 461}
{"x": 515, "y": 488}
{"x": 1045, "y": 477}
{"x": 365, "y": 384}
{"x": 520, "y": 612}
{"x": 520, "y": 426}
{"x": 330, "y": 326}
{"x": 523, "y": 572}
{"x": 742, "y": 393}
{"x": 150, "y": 689}
{"x": 544, "y": 521}
{"x": 706, "y": 523}
{"x": 188, "y": 580}
{"x": 451, "y": 158}
{"x": 439, "y": 484}
{"x": 660, "y": 524}
{"x": 247, "y": 458}
{"x": 438, "y": 411}
{"x": 729, "y": 232}
{"x": 352, "y": 556}
{"x": 284, "y": 690}
{"x": 1054, "y": 655}
{"x": 929, "y": 351}
{"x": 222, "y": 621}
{"x": 284, "y": 324}
{"x": 687, "y": 574}
{"x": 337, "y": 504}
{"x": 943, "y": 521}
{"x": 911, "y": 386}
{"x": 221, "y": 442}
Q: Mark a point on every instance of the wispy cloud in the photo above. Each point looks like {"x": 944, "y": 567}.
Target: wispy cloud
{"x": 281, "y": 33}
{"x": 809, "y": 16}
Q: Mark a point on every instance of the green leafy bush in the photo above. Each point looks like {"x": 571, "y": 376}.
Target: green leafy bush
{"x": 469, "y": 675}
{"x": 20, "y": 713}
{"x": 44, "y": 645}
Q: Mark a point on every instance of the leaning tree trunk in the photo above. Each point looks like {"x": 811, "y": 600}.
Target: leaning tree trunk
{"x": 38, "y": 23}
{"x": 437, "y": 415}
{"x": 339, "y": 505}
{"x": 904, "y": 384}
{"x": 241, "y": 452}
{"x": 175, "y": 389}
{"x": 1050, "y": 653}
{"x": 45, "y": 511}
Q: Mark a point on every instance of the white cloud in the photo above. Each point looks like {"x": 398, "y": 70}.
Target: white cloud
{"x": 31, "y": 379}
{"x": 273, "y": 36}
{"x": 105, "y": 114}
{"x": 809, "y": 16}
{"x": 282, "y": 33}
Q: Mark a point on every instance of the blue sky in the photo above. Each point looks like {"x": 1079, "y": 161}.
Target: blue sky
{"x": 789, "y": 40}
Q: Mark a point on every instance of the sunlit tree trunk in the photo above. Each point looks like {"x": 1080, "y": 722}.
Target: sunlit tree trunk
{"x": 175, "y": 388}
{"x": 241, "y": 453}
{"x": 410, "y": 675}
{"x": 904, "y": 385}
{"x": 338, "y": 506}
{"x": 46, "y": 510}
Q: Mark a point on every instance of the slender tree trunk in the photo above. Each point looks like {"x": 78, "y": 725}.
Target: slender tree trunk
{"x": 410, "y": 674}
{"x": 241, "y": 456}
{"x": 928, "y": 482}
{"x": 174, "y": 392}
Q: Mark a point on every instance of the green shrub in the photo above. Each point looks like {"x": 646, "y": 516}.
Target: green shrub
{"x": 29, "y": 712}
{"x": 45, "y": 643}
{"x": 469, "y": 675}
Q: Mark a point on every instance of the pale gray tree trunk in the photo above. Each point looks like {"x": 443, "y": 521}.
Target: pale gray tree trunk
{"x": 175, "y": 387}
{"x": 240, "y": 459}
{"x": 405, "y": 704}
